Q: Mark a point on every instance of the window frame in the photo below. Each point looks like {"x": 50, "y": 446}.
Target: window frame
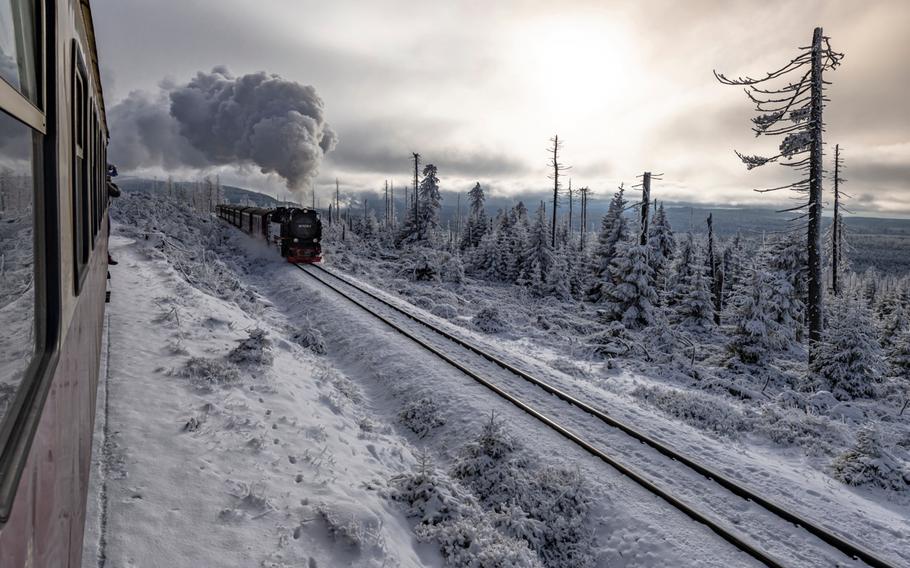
{"x": 18, "y": 426}
{"x": 80, "y": 193}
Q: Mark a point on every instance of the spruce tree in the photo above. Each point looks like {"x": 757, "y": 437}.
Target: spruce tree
{"x": 663, "y": 245}
{"x": 477, "y": 220}
{"x": 430, "y": 203}
{"x": 849, "y": 362}
{"x": 631, "y": 298}
{"x": 695, "y": 308}
{"x": 614, "y": 229}
{"x": 538, "y": 253}
{"x": 755, "y": 336}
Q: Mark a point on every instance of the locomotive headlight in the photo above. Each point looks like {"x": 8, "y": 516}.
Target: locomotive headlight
{"x": 314, "y": 240}
{"x": 295, "y": 240}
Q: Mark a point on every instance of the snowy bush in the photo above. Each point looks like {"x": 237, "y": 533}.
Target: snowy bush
{"x": 794, "y": 427}
{"x": 449, "y": 515}
{"x": 421, "y": 416}
{"x": 255, "y": 350}
{"x": 612, "y": 341}
{"x": 447, "y": 311}
{"x": 489, "y": 320}
{"x": 350, "y": 528}
{"x": 546, "y": 507}
{"x": 310, "y": 338}
{"x": 702, "y": 410}
{"x": 207, "y": 373}
{"x": 868, "y": 463}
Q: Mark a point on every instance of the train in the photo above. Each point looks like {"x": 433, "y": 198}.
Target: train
{"x": 296, "y": 232}
{"x": 54, "y": 195}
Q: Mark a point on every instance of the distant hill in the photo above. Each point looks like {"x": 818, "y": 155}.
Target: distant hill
{"x": 232, "y": 194}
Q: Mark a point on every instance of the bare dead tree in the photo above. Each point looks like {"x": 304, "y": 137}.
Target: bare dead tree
{"x": 557, "y": 167}
{"x": 717, "y": 276}
{"x": 794, "y": 111}
{"x": 838, "y": 246}
{"x": 416, "y": 198}
{"x": 569, "y": 193}
{"x": 584, "y": 217}
{"x": 337, "y": 202}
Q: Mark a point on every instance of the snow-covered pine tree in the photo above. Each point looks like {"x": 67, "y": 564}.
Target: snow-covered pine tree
{"x": 695, "y": 308}
{"x": 558, "y": 279}
{"x": 786, "y": 260}
{"x": 614, "y": 229}
{"x": 793, "y": 109}
{"x": 755, "y": 336}
{"x": 430, "y": 203}
{"x": 899, "y": 362}
{"x": 538, "y": 254}
{"x": 477, "y": 224}
{"x": 892, "y": 326}
{"x": 631, "y": 298}
{"x": 849, "y": 361}
{"x": 680, "y": 272}
{"x": 663, "y": 245}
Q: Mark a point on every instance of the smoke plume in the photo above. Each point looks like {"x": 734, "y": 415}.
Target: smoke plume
{"x": 217, "y": 119}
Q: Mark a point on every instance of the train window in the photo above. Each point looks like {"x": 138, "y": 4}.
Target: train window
{"x": 17, "y": 255}
{"x": 81, "y": 167}
{"x": 18, "y": 60}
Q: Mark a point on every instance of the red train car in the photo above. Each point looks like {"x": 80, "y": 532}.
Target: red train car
{"x": 53, "y": 241}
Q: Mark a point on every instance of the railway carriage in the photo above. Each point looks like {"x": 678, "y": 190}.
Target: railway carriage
{"x": 53, "y": 241}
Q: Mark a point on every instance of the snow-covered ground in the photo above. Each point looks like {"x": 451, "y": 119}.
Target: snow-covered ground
{"x": 254, "y": 418}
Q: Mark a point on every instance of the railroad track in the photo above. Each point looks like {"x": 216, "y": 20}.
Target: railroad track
{"x": 849, "y": 549}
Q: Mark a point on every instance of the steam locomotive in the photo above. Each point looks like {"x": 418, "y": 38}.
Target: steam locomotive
{"x": 297, "y": 232}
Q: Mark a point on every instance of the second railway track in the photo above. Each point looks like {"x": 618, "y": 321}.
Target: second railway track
{"x": 844, "y": 550}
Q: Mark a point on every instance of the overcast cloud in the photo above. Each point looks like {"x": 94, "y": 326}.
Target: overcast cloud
{"x": 479, "y": 87}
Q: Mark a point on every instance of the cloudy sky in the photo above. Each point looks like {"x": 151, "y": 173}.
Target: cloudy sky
{"x": 478, "y": 88}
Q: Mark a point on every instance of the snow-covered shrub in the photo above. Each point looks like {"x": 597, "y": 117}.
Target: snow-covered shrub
{"x": 310, "y": 338}
{"x": 421, "y": 416}
{"x": 547, "y": 507}
{"x": 208, "y": 373}
{"x": 491, "y": 467}
{"x": 489, "y": 320}
{"x": 354, "y": 528}
{"x": 447, "y": 311}
{"x": 702, "y": 410}
{"x": 869, "y": 463}
{"x": 793, "y": 427}
{"x": 452, "y": 269}
{"x": 612, "y": 341}
{"x": 255, "y": 350}
{"x": 449, "y": 515}
{"x": 471, "y": 544}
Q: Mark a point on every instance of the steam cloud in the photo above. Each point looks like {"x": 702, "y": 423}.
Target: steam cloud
{"x": 257, "y": 119}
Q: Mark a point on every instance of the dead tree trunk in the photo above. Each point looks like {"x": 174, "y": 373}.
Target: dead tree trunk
{"x": 835, "y": 227}
{"x": 416, "y": 198}
{"x": 717, "y": 287}
{"x": 815, "y": 306}
{"x": 645, "y": 202}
